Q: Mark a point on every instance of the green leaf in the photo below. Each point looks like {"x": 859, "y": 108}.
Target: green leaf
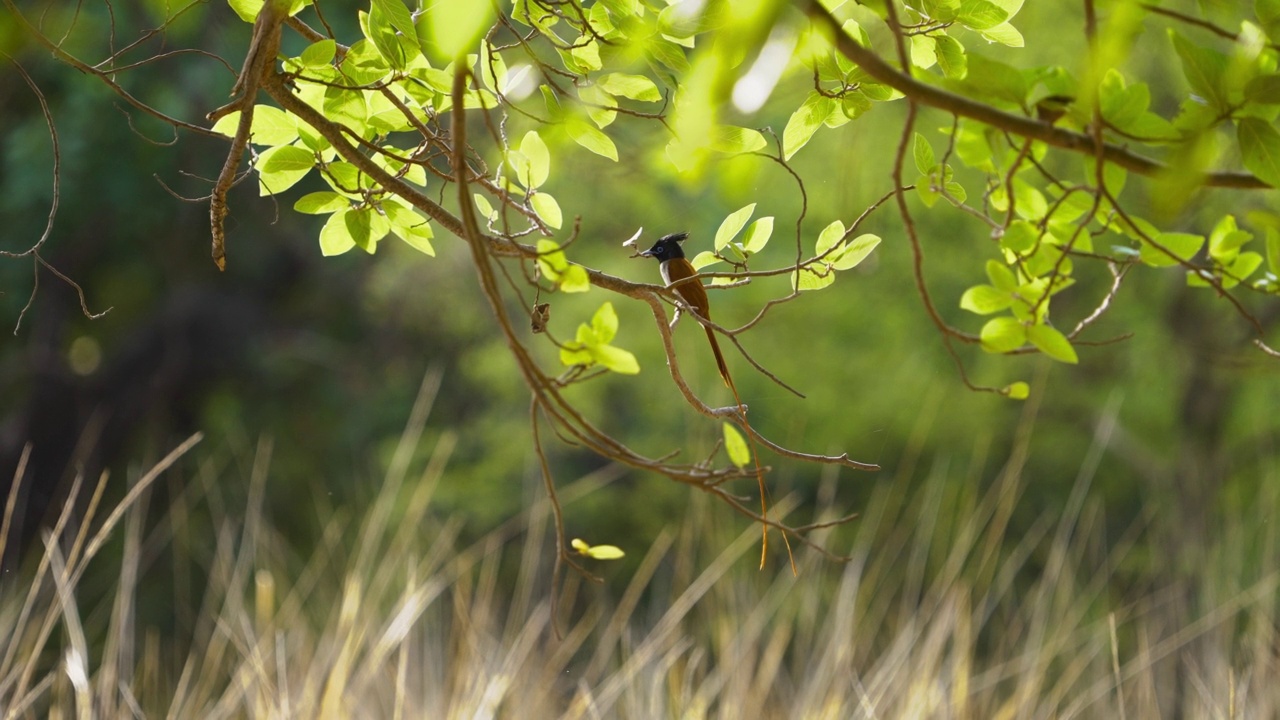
{"x": 319, "y": 53}
{"x": 1005, "y": 34}
{"x": 409, "y": 226}
{"x": 535, "y": 150}
{"x": 1182, "y": 245}
{"x": 605, "y": 323}
{"x": 1053, "y": 343}
{"x": 854, "y": 252}
{"x": 335, "y": 238}
{"x": 757, "y": 235}
{"x": 1226, "y": 240}
{"x": 923, "y": 51}
{"x": 804, "y": 122}
{"x": 731, "y": 139}
{"x": 995, "y": 80}
{"x": 575, "y": 280}
{"x": 547, "y": 208}
{"x": 703, "y": 259}
{"x": 279, "y": 168}
{"x": 592, "y": 139}
{"x": 828, "y": 238}
{"x": 1017, "y": 390}
{"x": 1122, "y": 106}
{"x": 596, "y": 552}
{"x": 598, "y": 105}
{"x": 1003, "y": 334}
{"x": 367, "y": 227}
{"x": 810, "y": 278}
{"x": 397, "y": 14}
{"x": 951, "y": 58}
{"x": 493, "y": 69}
{"x": 346, "y": 178}
{"x": 923, "y": 154}
{"x": 321, "y": 203}
{"x": 736, "y": 446}
{"x": 1001, "y": 276}
{"x": 377, "y": 28}
{"x": 1244, "y": 265}
{"x": 1260, "y": 148}
{"x": 346, "y": 106}
{"x": 453, "y": 26}
{"x": 636, "y": 87}
{"x": 1264, "y": 89}
{"x": 1020, "y": 237}
{"x": 732, "y": 225}
{"x": 1203, "y": 68}
{"x": 985, "y": 299}
{"x": 587, "y": 53}
{"x": 271, "y": 126}
{"x": 483, "y": 207}
{"x": 669, "y": 54}
{"x": 981, "y": 14}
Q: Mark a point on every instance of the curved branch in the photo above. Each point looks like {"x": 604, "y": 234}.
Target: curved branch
{"x": 932, "y": 96}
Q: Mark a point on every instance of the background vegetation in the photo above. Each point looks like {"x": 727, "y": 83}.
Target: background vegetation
{"x": 1104, "y": 548}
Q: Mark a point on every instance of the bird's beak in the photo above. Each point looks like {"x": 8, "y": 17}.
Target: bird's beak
{"x": 646, "y": 253}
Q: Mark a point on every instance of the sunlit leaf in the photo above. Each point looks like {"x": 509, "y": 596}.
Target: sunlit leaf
{"x": 592, "y": 139}
{"x": 636, "y": 87}
{"x": 731, "y": 139}
{"x": 453, "y": 27}
{"x": 279, "y": 168}
{"x": 574, "y": 279}
{"x": 335, "y": 239}
{"x": 1003, "y": 334}
{"x": 732, "y": 225}
{"x": 813, "y": 277}
{"x": 736, "y": 446}
{"x": 985, "y": 299}
{"x": 535, "y": 150}
{"x": 1183, "y": 246}
{"x": 547, "y": 208}
{"x": 1001, "y": 276}
{"x": 319, "y": 53}
{"x": 1017, "y": 390}
{"x": 804, "y": 122}
{"x": 1053, "y": 343}
{"x": 854, "y": 252}
{"x": 828, "y": 238}
{"x": 271, "y": 126}
{"x": 922, "y": 152}
{"x": 757, "y": 235}
{"x": 321, "y": 203}
{"x": 951, "y": 57}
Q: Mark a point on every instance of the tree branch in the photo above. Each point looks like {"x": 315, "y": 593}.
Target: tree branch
{"x": 932, "y": 96}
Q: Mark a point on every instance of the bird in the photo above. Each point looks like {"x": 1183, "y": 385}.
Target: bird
{"x": 679, "y": 274}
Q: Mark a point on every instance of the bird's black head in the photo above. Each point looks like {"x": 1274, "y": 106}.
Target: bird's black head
{"x": 667, "y": 247}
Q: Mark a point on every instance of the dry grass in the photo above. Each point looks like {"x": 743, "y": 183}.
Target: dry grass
{"x": 942, "y": 613}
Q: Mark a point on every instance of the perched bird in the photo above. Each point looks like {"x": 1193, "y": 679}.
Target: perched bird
{"x": 679, "y": 274}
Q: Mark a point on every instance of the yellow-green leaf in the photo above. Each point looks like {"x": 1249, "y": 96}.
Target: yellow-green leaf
{"x": 732, "y": 225}
{"x": 736, "y": 446}
{"x": 1053, "y": 343}
{"x": 1003, "y": 334}
{"x": 547, "y": 208}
